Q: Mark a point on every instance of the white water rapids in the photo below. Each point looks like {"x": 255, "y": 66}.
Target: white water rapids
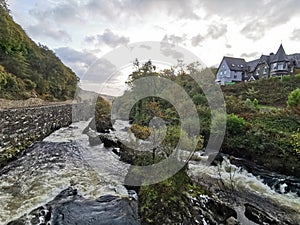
{"x": 242, "y": 181}
{"x": 37, "y": 177}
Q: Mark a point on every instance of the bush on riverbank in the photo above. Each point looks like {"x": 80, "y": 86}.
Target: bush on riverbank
{"x": 102, "y": 115}
{"x": 293, "y": 101}
{"x": 167, "y": 202}
{"x": 259, "y": 125}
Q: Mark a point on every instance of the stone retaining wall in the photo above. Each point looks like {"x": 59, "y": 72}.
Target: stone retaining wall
{"x": 20, "y": 127}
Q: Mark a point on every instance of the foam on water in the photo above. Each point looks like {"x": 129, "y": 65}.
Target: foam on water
{"x": 41, "y": 174}
{"x": 242, "y": 180}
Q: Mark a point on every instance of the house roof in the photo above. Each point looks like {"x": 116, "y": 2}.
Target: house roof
{"x": 295, "y": 58}
{"x": 280, "y": 56}
{"x": 235, "y": 64}
{"x": 266, "y": 58}
{"x": 253, "y": 64}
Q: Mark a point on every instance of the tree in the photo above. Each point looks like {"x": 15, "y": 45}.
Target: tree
{"x": 147, "y": 69}
{"x": 4, "y": 5}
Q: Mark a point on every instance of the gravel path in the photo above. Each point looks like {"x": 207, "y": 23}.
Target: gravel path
{"x": 31, "y": 102}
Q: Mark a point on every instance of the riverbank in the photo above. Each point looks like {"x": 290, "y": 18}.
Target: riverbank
{"x": 250, "y": 198}
{"x": 250, "y": 194}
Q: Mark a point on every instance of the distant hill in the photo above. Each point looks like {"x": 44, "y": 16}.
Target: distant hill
{"x": 84, "y": 95}
{"x": 28, "y": 69}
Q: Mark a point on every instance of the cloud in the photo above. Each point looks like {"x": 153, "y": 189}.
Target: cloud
{"x": 254, "y": 30}
{"x": 68, "y": 12}
{"x": 228, "y": 45}
{"x": 177, "y": 8}
{"x": 50, "y": 22}
{"x": 257, "y": 16}
{"x": 79, "y": 61}
{"x": 118, "y": 12}
{"x": 101, "y": 71}
{"x": 108, "y": 38}
{"x": 216, "y": 30}
{"x": 96, "y": 74}
{"x": 146, "y": 47}
{"x": 174, "y": 39}
{"x": 168, "y": 44}
{"x": 250, "y": 55}
{"x": 295, "y": 35}
{"x": 167, "y": 49}
{"x": 196, "y": 40}
{"x": 41, "y": 30}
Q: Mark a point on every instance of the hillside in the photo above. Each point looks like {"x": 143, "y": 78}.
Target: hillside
{"x": 28, "y": 69}
{"x": 271, "y": 92}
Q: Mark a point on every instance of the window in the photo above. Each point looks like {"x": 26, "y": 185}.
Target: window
{"x": 242, "y": 66}
{"x": 235, "y": 76}
{"x": 223, "y": 66}
{"x": 232, "y": 64}
{"x": 225, "y": 72}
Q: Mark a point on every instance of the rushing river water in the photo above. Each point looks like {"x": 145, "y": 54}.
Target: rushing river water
{"x": 55, "y": 164}
{"x": 65, "y": 159}
{"x": 240, "y": 186}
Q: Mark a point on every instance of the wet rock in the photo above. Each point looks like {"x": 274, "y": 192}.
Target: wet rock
{"x": 211, "y": 210}
{"x": 69, "y": 208}
{"x": 232, "y": 221}
{"x": 218, "y": 160}
{"x": 93, "y": 138}
{"x": 109, "y": 140}
{"x": 258, "y": 216}
{"x": 103, "y": 126}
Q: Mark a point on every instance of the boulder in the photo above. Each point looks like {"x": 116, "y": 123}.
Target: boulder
{"x": 69, "y": 208}
{"x": 259, "y": 216}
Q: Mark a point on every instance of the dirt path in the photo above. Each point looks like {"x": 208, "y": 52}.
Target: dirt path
{"x": 31, "y": 102}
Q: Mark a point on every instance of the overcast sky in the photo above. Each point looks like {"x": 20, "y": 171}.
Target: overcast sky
{"x": 81, "y": 31}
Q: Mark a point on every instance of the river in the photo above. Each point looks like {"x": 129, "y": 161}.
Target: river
{"x": 54, "y": 164}
{"x": 66, "y": 159}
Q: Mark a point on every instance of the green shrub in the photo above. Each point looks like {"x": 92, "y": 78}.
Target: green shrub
{"x": 297, "y": 76}
{"x": 29, "y": 85}
{"x": 295, "y": 141}
{"x": 293, "y": 101}
{"x": 255, "y": 103}
{"x": 170, "y": 197}
{"x": 248, "y": 103}
{"x": 286, "y": 78}
{"x": 140, "y": 132}
{"x": 237, "y": 106}
{"x": 235, "y": 124}
{"x": 199, "y": 99}
{"x": 102, "y": 115}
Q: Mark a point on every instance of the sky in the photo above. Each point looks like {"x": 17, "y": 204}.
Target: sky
{"x": 81, "y": 32}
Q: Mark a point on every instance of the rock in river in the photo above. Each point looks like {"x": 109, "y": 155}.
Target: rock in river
{"x": 70, "y": 208}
